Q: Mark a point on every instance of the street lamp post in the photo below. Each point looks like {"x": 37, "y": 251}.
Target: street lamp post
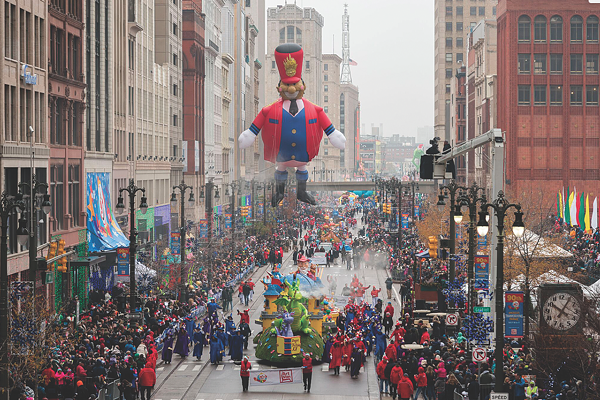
{"x": 452, "y": 188}
{"x": 234, "y": 186}
{"x": 8, "y": 204}
{"x": 209, "y": 208}
{"x": 501, "y": 205}
{"x": 470, "y": 200}
{"x": 182, "y": 238}
{"x": 132, "y": 189}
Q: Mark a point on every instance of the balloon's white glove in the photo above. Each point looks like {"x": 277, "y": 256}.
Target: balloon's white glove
{"x": 337, "y": 139}
{"x": 246, "y": 139}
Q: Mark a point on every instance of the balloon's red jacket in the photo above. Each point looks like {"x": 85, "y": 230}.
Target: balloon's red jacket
{"x": 269, "y": 121}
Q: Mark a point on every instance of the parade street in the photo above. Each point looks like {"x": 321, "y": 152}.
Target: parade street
{"x": 195, "y": 380}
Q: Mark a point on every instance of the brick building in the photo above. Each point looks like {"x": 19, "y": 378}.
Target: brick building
{"x": 548, "y": 64}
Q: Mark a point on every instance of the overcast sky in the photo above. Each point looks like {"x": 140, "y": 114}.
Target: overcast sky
{"x": 392, "y": 42}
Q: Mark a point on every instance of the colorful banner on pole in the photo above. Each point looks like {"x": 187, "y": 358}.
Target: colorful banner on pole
{"x": 227, "y": 221}
{"x": 275, "y": 376}
{"x": 123, "y": 261}
{"x": 103, "y": 232}
{"x": 482, "y": 273}
{"x": 404, "y": 221}
{"x": 203, "y": 224}
{"x": 417, "y": 211}
{"x": 482, "y": 243}
{"x": 176, "y": 243}
{"x": 513, "y": 314}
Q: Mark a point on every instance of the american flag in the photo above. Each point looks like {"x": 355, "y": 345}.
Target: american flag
{"x": 353, "y": 63}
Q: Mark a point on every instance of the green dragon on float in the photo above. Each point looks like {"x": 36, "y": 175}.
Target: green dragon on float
{"x": 293, "y": 301}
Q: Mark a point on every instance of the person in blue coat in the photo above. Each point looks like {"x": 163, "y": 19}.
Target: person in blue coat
{"x": 198, "y": 339}
{"x": 229, "y": 329}
{"x": 236, "y": 346}
{"x": 183, "y": 342}
{"x": 216, "y": 350}
{"x": 212, "y": 306}
{"x": 167, "y": 351}
{"x": 222, "y": 336}
{"x": 380, "y": 344}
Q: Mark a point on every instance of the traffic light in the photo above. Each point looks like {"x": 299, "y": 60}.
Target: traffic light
{"x": 62, "y": 262}
{"x": 51, "y": 254}
{"x": 433, "y": 247}
{"x": 389, "y": 208}
{"x": 244, "y": 211}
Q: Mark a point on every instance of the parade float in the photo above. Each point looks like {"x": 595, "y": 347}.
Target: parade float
{"x": 293, "y": 316}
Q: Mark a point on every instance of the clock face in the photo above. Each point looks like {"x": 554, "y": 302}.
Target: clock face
{"x": 561, "y": 311}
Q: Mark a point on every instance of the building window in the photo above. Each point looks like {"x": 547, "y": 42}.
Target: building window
{"x": 448, "y": 57}
{"x": 326, "y": 109}
{"x": 524, "y": 95}
{"x": 576, "y": 29}
{"x": 326, "y": 88}
{"x": 448, "y": 73}
{"x": 556, "y": 63}
{"x": 539, "y": 29}
{"x": 556, "y": 95}
{"x": 449, "y": 10}
{"x": 74, "y": 200}
{"x": 273, "y": 65}
{"x": 174, "y": 29}
{"x": 459, "y": 42}
{"x": 174, "y": 59}
{"x": 539, "y": 63}
{"x": 448, "y": 26}
{"x": 591, "y": 64}
{"x": 298, "y": 35}
{"x": 473, "y": 11}
{"x": 307, "y": 65}
{"x": 326, "y": 78}
{"x": 326, "y": 99}
{"x": 556, "y": 29}
{"x": 282, "y": 35}
{"x": 459, "y": 57}
{"x": 57, "y": 196}
{"x": 494, "y": 11}
{"x": 174, "y": 119}
{"x": 482, "y": 11}
{"x": 448, "y": 88}
{"x": 175, "y": 90}
{"x": 449, "y": 42}
{"x": 576, "y": 64}
{"x": 576, "y": 95}
{"x": 459, "y": 26}
{"x": 524, "y": 28}
{"x": 592, "y": 29}
{"x": 539, "y": 95}
{"x": 459, "y": 10}
{"x": 591, "y": 95}
{"x": 326, "y": 67}
{"x": 290, "y": 34}
{"x": 524, "y": 63}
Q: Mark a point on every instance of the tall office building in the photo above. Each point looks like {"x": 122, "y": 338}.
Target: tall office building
{"x": 328, "y": 160}
{"x": 454, "y": 19}
{"x": 548, "y": 66}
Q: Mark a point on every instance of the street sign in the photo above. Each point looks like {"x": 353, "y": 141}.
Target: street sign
{"x": 498, "y": 396}
{"x": 452, "y": 319}
{"x": 482, "y": 309}
{"x": 479, "y": 354}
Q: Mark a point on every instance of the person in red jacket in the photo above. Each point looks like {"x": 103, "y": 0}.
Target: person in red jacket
{"x": 391, "y": 351}
{"x": 398, "y": 333}
{"x": 375, "y": 295}
{"x": 395, "y": 377}
{"x": 383, "y": 382}
{"x": 421, "y": 381}
{"x": 347, "y": 353}
{"x": 307, "y": 371}
{"x": 147, "y": 380}
{"x": 335, "y": 356}
{"x": 245, "y": 373}
{"x": 389, "y": 309}
{"x": 405, "y": 388}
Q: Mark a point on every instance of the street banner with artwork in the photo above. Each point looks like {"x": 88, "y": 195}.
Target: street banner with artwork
{"x": 513, "y": 314}
{"x": 103, "y": 231}
{"x": 404, "y": 221}
{"x": 482, "y": 273}
{"x": 227, "y": 221}
{"x": 123, "y": 261}
{"x": 275, "y": 376}
{"x": 203, "y": 223}
{"x": 176, "y": 243}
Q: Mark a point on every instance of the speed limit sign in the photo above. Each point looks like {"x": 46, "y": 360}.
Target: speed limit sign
{"x": 479, "y": 354}
{"x": 452, "y": 319}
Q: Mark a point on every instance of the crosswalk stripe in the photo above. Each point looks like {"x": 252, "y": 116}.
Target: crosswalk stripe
{"x": 197, "y": 368}
{"x": 182, "y": 368}
{"x": 220, "y": 367}
{"x": 160, "y": 369}
{"x": 325, "y": 368}
{"x": 236, "y": 368}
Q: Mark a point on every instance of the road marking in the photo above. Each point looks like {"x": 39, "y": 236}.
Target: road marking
{"x": 325, "y": 368}
{"x": 160, "y": 369}
{"x": 236, "y": 368}
{"x": 182, "y": 368}
{"x": 197, "y": 368}
{"x": 220, "y": 367}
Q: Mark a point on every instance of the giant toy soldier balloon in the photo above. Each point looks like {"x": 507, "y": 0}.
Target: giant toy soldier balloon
{"x": 292, "y": 126}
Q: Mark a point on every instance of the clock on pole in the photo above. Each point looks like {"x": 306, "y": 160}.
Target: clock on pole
{"x": 560, "y": 309}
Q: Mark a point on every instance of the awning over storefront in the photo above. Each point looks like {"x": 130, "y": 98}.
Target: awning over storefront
{"x": 103, "y": 232}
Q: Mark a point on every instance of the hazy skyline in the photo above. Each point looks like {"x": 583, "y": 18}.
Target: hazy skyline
{"x": 393, "y": 43}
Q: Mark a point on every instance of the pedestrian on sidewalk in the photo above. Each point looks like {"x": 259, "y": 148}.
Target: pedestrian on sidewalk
{"x": 245, "y": 373}
{"x": 375, "y": 295}
{"x": 307, "y": 371}
{"x": 388, "y": 285}
{"x": 147, "y": 380}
